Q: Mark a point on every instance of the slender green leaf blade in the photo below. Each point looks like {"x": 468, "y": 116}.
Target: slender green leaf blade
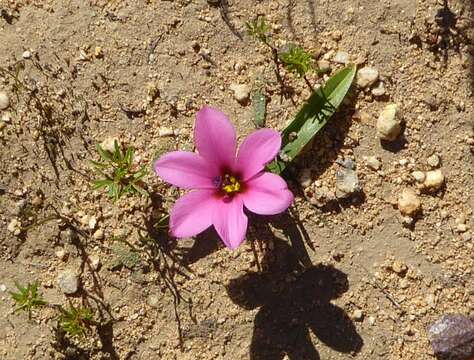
{"x": 97, "y": 184}
{"x": 104, "y": 154}
{"x": 312, "y": 117}
{"x": 259, "y": 103}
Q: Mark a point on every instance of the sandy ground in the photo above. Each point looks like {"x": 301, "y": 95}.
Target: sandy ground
{"x": 331, "y": 278}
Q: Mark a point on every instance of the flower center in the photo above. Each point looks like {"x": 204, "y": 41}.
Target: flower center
{"x": 230, "y": 184}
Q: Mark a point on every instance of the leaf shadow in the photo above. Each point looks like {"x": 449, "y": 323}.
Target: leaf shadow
{"x": 311, "y": 9}
{"x": 294, "y": 300}
{"x": 447, "y": 36}
{"x": 470, "y": 41}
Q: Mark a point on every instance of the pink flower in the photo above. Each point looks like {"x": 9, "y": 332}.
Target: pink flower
{"x": 222, "y": 182}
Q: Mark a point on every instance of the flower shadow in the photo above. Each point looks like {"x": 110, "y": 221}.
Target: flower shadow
{"x": 294, "y": 301}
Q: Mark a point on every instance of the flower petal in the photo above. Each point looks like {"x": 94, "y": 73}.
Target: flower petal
{"x": 192, "y": 213}
{"x": 215, "y": 138}
{"x": 257, "y": 150}
{"x": 186, "y": 170}
{"x": 230, "y": 221}
{"x": 267, "y": 194}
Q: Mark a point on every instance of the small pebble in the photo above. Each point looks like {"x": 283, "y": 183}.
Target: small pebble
{"x": 341, "y": 57}
{"x": 6, "y": 117}
{"x": 461, "y": 228}
{"x": 68, "y": 282}
{"x": 165, "y": 132}
{"x": 62, "y": 254}
{"x": 98, "y": 52}
{"x": 347, "y": 183}
{"x": 371, "y": 320}
{"x": 336, "y": 35}
{"x": 322, "y": 196}
{"x": 434, "y": 179}
{"x": 404, "y": 283}
{"x": 14, "y": 226}
{"x": 305, "y": 178}
{"x": 83, "y": 56}
{"x": 419, "y": 176}
{"x": 408, "y": 202}
{"x": 95, "y": 262}
{"x": 433, "y": 161}
{"x": 388, "y": 123}
{"x": 99, "y": 234}
{"x": 26, "y": 55}
{"x": 37, "y": 201}
{"x": 373, "y": 163}
{"x": 92, "y": 222}
{"x": 109, "y": 144}
{"x": 379, "y": 90}
{"x": 153, "y": 301}
{"x": 4, "y": 100}
{"x": 403, "y": 162}
{"x": 241, "y": 92}
{"x": 399, "y": 267}
{"x": 3, "y": 288}
{"x": 466, "y": 236}
{"x": 324, "y": 65}
{"x": 358, "y": 315}
{"x": 367, "y": 76}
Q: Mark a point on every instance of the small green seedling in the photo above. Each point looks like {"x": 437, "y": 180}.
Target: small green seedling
{"x": 75, "y": 321}
{"x": 259, "y": 29}
{"x": 27, "y": 298}
{"x": 296, "y": 60}
{"x": 117, "y": 170}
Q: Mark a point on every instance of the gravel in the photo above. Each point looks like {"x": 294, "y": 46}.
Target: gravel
{"x": 4, "y": 100}
{"x": 433, "y": 161}
{"x": 434, "y": 180}
{"x": 373, "y": 163}
{"x": 341, "y": 57}
{"x": 419, "y": 176}
{"x": 452, "y": 337}
{"x": 26, "y": 55}
{"x": 409, "y": 202}
{"x": 241, "y": 92}
{"x": 347, "y": 183}
{"x": 68, "y": 282}
{"x": 388, "y": 123}
{"x": 358, "y": 315}
{"x": 367, "y": 76}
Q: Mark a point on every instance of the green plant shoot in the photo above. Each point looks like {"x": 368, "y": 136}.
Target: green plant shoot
{"x": 118, "y": 174}
{"x": 27, "y": 298}
{"x": 296, "y": 60}
{"x": 76, "y": 320}
{"x": 258, "y": 29}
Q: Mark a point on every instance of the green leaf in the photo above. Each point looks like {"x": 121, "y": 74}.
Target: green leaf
{"x": 140, "y": 173}
{"x": 101, "y": 183}
{"x": 312, "y": 117}
{"x": 296, "y": 60}
{"x": 27, "y": 298}
{"x": 98, "y": 165}
{"x": 76, "y": 321}
{"x": 139, "y": 189}
{"x": 104, "y": 154}
{"x": 117, "y": 151}
{"x": 128, "y": 158}
{"x": 259, "y": 104}
{"x": 258, "y": 28}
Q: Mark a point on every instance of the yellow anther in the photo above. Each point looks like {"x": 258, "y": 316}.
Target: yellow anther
{"x": 230, "y": 184}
